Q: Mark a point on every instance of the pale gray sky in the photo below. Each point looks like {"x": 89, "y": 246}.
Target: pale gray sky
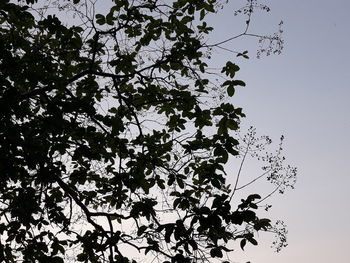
{"x": 304, "y": 94}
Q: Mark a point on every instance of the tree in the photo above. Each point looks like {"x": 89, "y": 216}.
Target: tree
{"x": 114, "y": 135}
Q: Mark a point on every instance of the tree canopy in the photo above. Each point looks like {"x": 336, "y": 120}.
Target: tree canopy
{"x": 114, "y": 134}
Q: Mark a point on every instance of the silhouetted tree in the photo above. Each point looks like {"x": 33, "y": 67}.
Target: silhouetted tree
{"x": 114, "y": 134}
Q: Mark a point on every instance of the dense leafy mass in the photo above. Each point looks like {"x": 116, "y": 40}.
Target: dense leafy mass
{"x": 112, "y": 142}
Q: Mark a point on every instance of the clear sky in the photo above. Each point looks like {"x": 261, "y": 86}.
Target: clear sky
{"x": 304, "y": 94}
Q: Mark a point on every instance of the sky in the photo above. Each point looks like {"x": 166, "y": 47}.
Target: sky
{"x": 303, "y": 94}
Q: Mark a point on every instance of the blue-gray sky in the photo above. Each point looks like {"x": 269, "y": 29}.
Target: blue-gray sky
{"x": 304, "y": 94}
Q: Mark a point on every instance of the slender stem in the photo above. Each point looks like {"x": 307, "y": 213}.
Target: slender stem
{"x": 240, "y": 169}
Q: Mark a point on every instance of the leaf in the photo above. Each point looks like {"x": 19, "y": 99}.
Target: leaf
{"x": 216, "y": 253}
{"x": 110, "y": 19}
{"x": 243, "y": 243}
{"x": 141, "y": 230}
{"x": 193, "y": 244}
{"x": 216, "y": 183}
{"x": 252, "y": 197}
{"x": 202, "y": 14}
{"x": 180, "y": 183}
{"x": 263, "y": 223}
{"x": 230, "y": 69}
{"x": 100, "y": 19}
{"x": 239, "y": 83}
{"x": 248, "y": 216}
{"x": 168, "y": 232}
{"x": 231, "y": 90}
{"x": 253, "y": 241}
{"x": 243, "y": 54}
{"x": 232, "y": 125}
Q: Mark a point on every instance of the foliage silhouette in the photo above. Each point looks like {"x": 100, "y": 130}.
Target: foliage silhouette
{"x": 114, "y": 135}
